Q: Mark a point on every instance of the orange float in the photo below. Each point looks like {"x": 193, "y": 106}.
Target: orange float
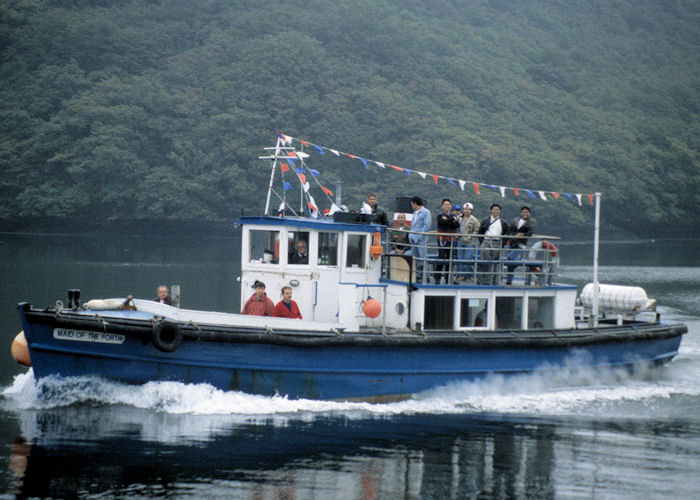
{"x": 372, "y": 308}
{"x": 551, "y": 247}
{"x": 20, "y": 350}
{"x": 376, "y": 249}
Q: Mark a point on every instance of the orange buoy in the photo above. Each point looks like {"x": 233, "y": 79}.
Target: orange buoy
{"x": 376, "y": 249}
{"x": 551, "y": 247}
{"x": 372, "y": 308}
{"x": 20, "y": 350}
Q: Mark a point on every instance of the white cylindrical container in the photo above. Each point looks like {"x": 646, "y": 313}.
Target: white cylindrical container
{"x": 618, "y": 298}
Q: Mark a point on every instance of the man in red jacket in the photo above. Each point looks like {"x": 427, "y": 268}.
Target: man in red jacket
{"x": 287, "y": 308}
{"x": 259, "y": 304}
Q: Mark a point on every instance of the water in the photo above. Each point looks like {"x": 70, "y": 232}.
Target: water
{"x": 581, "y": 434}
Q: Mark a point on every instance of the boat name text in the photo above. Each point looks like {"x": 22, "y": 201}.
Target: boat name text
{"x": 85, "y": 336}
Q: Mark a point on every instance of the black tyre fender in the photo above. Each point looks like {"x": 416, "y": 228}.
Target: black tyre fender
{"x": 166, "y": 336}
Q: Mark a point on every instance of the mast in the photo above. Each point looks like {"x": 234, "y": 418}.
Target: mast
{"x": 281, "y": 152}
{"x": 272, "y": 173}
{"x": 596, "y": 243}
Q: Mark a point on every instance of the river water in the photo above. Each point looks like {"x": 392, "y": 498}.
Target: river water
{"x": 578, "y": 435}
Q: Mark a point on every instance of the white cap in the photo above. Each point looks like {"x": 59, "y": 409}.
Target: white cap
{"x": 469, "y": 206}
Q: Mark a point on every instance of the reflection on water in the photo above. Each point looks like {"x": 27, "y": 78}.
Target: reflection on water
{"x": 405, "y": 456}
{"x": 401, "y": 457}
{"x": 18, "y": 464}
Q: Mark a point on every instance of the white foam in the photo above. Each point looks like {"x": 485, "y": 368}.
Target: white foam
{"x": 570, "y": 392}
{"x": 170, "y": 412}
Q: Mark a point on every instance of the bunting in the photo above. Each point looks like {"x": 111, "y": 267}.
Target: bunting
{"x": 292, "y": 157}
{"x": 502, "y": 190}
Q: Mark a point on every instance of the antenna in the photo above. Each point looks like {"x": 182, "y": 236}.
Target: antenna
{"x": 596, "y": 243}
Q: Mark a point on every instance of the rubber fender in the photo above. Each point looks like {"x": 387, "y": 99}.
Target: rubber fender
{"x": 166, "y": 336}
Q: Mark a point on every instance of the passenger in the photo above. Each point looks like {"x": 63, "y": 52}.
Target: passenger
{"x": 468, "y": 227}
{"x": 543, "y": 258}
{"x": 481, "y": 318}
{"x": 378, "y": 215}
{"x": 523, "y": 226}
{"x": 419, "y": 224}
{"x": 287, "y": 308}
{"x": 399, "y": 237}
{"x": 446, "y": 223}
{"x": 301, "y": 254}
{"x": 163, "y": 296}
{"x": 492, "y": 228}
{"x": 259, "y": 304}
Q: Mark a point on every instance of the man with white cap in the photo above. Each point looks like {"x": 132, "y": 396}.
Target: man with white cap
{"x": 493, "y": 228}
{"x": 468, "y": 227}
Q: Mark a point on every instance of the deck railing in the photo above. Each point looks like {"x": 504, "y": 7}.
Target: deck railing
{"x": 451, "y": 259}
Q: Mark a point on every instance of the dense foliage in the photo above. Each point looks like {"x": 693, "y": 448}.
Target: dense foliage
{"x": 160, "y": 109}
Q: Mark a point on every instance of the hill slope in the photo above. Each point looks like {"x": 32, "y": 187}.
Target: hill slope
{"x": 146, "y": 109}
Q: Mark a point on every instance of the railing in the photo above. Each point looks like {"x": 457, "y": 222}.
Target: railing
{"x": 453, "y": 259}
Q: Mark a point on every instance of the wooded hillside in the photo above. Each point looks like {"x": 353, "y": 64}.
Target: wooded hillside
{"x": 160, "y": 109}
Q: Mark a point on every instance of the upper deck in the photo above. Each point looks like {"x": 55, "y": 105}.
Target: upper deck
{"x": 443, "y": 259}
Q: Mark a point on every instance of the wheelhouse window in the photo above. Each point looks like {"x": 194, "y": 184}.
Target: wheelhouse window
{"x": 264, "y": 246}
{"x": 473, "y": 313}
{"x": 298, "y": 248}
{"x": 509, "y": 312}
{"x": 356, "y": 250}
{"x": 439, "y": 312}
{"x": 540, "y": 312}
{"x": 328, "y": 249}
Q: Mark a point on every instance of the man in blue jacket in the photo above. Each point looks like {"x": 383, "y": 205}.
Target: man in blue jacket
{"x": 420, "y": 224}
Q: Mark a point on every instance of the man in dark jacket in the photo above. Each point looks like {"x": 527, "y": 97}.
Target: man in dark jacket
{"x": 522, "y": 226}
{"x": 300, "y": 255}
{"x": 163, "y": 296}
{"x": 447, "y": 222}
{"x": 378, "y": 215}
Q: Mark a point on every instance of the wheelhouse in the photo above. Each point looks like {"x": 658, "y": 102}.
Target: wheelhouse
{"x": 347, "y": 264}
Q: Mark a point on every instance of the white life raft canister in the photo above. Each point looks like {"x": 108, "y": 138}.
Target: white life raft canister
{"x": 617, "y": 298}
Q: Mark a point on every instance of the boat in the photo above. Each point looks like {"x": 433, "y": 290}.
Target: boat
{"x": 377, "y": 324}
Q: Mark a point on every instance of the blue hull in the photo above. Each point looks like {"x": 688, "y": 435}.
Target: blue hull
{"x": 373, "y": 368}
